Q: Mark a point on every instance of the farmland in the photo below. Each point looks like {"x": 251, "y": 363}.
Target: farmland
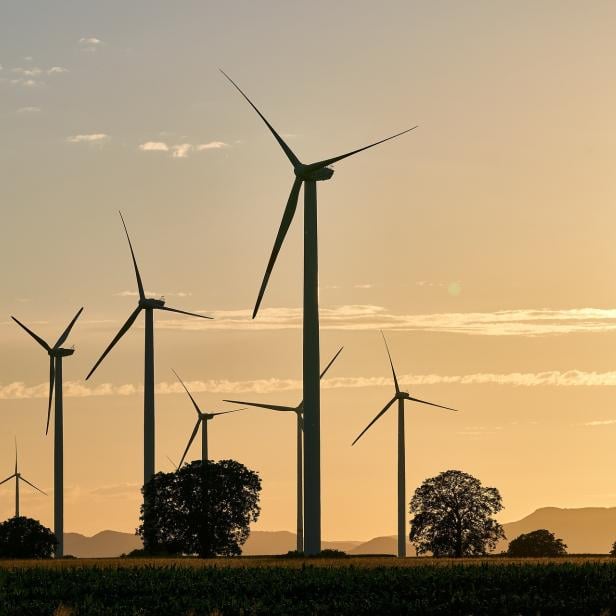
{"x": 341, "y": 586}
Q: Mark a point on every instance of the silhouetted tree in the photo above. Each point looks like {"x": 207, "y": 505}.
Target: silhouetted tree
{"x": 613, "y": 550}
{"x": 537, "y": 543}
{"x": 203, "y": 508}
{"x": 26, "y": 538}
{"x": 452, "y": 516}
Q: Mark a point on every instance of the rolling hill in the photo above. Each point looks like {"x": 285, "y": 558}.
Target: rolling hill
{"x": 588, "y": 530}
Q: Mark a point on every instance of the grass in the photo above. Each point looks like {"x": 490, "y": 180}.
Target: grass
{"x": 297, "y": 563}
{"x": 254, "y": 586}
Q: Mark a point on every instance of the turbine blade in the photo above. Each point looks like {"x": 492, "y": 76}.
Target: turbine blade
{"x": 67, "y": 331}
{"x": 271, "y": 407}
{"x": 190, "y": 441}
{"x": 225, "y": 412}
{"x": 31, "y": 484}
{"x": 287, "y": 218}
{"x": 122, "y": 331}
{"x": 172, "y": 463}
{"x": 333, "y": 359}
{"x": 52, "y": 382}
{"x": 391, "y": 364}
{"x": 331, "y": 161}
{"x": 189, "y": 394}
{"x": 190, "y": 314}
{"x": 37, "y": 338}
{"x": 431, "y": 404}
{"x": 374, "y": 420}
{"x": 8, "y": 479}
{"x": 16, "y": 455}
{"x": 132, "y": 253}
{"x": 287, "y": 150}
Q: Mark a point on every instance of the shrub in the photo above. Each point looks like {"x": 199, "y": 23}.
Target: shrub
{"x": 22, "y": 537}
{"x": 537, "y": 543}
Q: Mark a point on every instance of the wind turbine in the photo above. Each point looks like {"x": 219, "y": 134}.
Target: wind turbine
{"x": 147, "y": 304}
{"x": 299, "y": 412}
{"x": 202, "y": 419}
{"x": 19, "y": 477}
{"x": 308, "y": 175}
{"x": 56, "y": 353}
{"x": 401, "y": 397}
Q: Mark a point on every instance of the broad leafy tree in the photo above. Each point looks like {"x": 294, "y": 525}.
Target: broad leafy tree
{"x": 26, "y": 538}
{"x": 537, "y": 543}
{"x": 203, "y": 508}
{"x": 452, "y": 516}
{"x": 613, "y": 550}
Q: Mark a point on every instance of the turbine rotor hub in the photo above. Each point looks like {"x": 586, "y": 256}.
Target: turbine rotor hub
{"x": 150, "y": 302}
{"x": 61, "y": 352}
{"x": 304, "y": 172}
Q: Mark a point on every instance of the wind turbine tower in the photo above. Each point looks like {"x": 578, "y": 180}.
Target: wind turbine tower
{"x": 202, "y": 420}
{"x": 401, "y": 397}
{"x": 308, "y": 175}
{"x": 148, "y": 305}
{"x": 56, "y": 354}
{"x": 19, "y": 477}
{"x": 299, "y": 413}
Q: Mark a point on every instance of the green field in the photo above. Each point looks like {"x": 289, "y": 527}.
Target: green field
{"x": 273, "y": 586}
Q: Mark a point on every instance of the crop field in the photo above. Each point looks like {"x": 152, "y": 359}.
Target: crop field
{"x": 245, "y": 586}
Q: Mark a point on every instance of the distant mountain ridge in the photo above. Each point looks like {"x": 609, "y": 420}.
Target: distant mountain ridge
{"x": 587, "y": 530}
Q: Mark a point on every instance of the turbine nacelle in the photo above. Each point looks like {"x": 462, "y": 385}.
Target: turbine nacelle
{"x": 306, "y": 172}
{"x": 150, "y": 302}
{"x": 61, "y": 352}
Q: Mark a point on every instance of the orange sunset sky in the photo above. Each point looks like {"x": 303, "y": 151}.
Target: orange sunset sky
{"x": 482, "y": 243}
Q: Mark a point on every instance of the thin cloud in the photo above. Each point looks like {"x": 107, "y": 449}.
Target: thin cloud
{"x": 363, "y": 286}
{"x": 181, "y": 150}
{"x": 29, "y": 110}
{"x": 601, "y": 422}
{"x": 34, "y": 71}
{"x": 154, "y": 294}
{"x": 78, "y": 389}
{"x": 154, "y": 146}
{"x": 90, "y": 43}
{"x": 212, "y": 145}
{"x": 366, "y": 317}
{"x": 26, "y": 82}
{"x": 56, "y": 70}
{"x": 89, "y": 138}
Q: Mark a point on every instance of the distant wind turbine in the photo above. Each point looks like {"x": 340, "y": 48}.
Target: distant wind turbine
{"x": 19, "y": 477}
{"x": 56, "y": 353}
{"x": 299, "y": 412}
{"x": 308, "y": 175}
{"x": 148, "y": 305}
{"x": 202, "y": 419}
{"x": 400, "y": 396}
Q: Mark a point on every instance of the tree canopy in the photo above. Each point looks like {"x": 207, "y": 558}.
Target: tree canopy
{"x": 202, "y": 508}
{"x": 22, "y": 537}
{"x": 452, "y": 516}
{"x": 537, "y": 543}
